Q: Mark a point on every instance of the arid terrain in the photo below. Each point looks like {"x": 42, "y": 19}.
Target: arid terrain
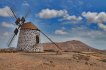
{"x": 73, "y": 45}
{"x": 75, "y": 56}
{"x": 51, "y": 61}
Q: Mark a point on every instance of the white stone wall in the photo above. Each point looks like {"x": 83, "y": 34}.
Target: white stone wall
{"x": 27, "y": 41}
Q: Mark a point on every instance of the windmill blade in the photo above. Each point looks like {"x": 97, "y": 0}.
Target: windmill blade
{"x": 13, "y": 37}
{"x": 50, "y": 40}
{"x": 13, "y": 13}
{"x": 28, "y": 11}
{"x": 11, "y": 40}
{"x": 12, "y": 8}
{"x": 10, "y": 14}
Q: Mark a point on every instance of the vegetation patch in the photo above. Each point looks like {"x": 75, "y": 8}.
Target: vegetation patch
{"x": 81, "y": 57}
{"x": 103, "y": 60}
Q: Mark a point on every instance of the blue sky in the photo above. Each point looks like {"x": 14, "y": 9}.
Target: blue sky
{"x": 61, "y": 20}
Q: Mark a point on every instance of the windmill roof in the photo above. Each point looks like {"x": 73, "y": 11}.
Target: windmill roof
{"x": 29, "y": 25}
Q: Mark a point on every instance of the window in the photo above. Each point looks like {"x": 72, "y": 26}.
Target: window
{"x": 37, "y": 39}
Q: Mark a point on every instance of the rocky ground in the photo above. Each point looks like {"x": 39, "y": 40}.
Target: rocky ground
{"x": 51, "y": 61}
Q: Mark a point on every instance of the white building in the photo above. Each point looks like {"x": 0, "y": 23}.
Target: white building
{"x": 29, "y": 38}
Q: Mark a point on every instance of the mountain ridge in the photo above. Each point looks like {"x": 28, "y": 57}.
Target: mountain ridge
{"x": 73, "y": 45}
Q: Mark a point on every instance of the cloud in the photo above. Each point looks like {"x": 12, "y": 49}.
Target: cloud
{"x": 61, "y": 32}
{"x": 95, "y": 17}
{"x": 6, "y": 34}
{"x": 102, "y": 26}
{"x": 73, "y": 18}
{"x": 90, "y": 16}
{"x": 25, "y": 3}
{"x": 4, "y": 11}
{"x": 52, "y": 13}
{"x": 7, "y": 25}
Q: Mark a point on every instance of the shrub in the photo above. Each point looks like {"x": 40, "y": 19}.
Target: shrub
{"x": 103, "y": 60}
{"x": 81, "y": 57}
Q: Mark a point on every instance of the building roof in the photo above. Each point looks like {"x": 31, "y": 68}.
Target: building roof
{"x": 29, "y": 25}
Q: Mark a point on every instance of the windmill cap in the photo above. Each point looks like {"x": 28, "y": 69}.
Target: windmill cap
{"x": 29, "y": 25}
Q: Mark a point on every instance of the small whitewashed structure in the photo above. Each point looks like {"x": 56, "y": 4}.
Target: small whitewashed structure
{"x": 29, "y": 38}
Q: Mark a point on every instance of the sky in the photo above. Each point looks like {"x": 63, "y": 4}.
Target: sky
{"x": 61, "y": 20}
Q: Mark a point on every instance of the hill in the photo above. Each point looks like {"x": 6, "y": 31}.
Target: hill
{"x": 68, "y": 46}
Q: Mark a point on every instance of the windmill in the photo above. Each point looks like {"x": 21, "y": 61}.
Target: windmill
{"x": 29, "y": 36}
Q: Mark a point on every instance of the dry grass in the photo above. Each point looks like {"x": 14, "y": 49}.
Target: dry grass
{"x": 49, "y": 61}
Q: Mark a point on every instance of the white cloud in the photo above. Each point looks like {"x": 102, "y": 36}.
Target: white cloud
{"x": 102, "y": 26}
{"x": 73, "y": 18}
{"x": 61, "y": 32}
{"x": 7, "y": 25}
{"x": 25, "y": 3}
{"x": 4, "y": 11}
{"x": 6, "y": 34}
{"x": 84, "y": 32}
{"x": 95, "y": 17}
{"x": 90, "y": 16}
{"x": 52, "y": 13}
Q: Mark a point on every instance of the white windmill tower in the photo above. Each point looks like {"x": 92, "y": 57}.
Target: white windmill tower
{"x": 29, "y": 38}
